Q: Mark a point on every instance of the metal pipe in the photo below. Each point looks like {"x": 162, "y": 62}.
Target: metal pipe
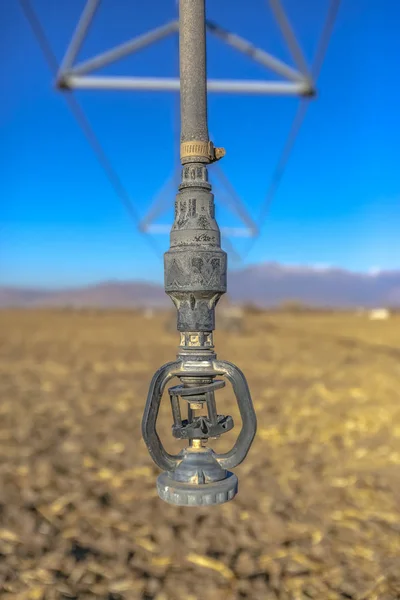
{"x": 290, "y": 37}
{"x": 195, "y": 269}
{"x": 156, "y": 228}
{"x": 228, "y": 247}
{"x": 193, "y": 76}
{"x": 133, "y": 45}
{"x": 238, "y": 232}
{"x": 161, "y": 201}
{"x": 234, "y": 201}
{"x": 164, "y": 84}
{"x": 79, "y": 35}
{"x": 260, "y": 56}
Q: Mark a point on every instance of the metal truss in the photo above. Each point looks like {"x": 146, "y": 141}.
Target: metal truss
{"x": 296, "y": 82}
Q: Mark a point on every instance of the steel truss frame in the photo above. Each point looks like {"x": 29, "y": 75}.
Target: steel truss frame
{"x": 296, "y": 82}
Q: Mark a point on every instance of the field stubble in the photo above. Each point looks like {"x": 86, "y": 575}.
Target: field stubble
{"x": 317, "y": 514}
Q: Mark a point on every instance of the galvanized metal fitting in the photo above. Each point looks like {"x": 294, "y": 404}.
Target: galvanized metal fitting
{"x": 195, "y": 273}
{"x": 195, "y": 270}
{"x": 195, "y": 266}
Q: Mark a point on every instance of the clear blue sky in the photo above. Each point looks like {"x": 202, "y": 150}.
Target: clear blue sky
{"x": 339, "y": 202}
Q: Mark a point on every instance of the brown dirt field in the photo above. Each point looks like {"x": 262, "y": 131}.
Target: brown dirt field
{"x": 317, "y": 514}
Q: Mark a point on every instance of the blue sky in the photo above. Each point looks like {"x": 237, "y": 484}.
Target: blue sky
{"x": 339, "y": 201}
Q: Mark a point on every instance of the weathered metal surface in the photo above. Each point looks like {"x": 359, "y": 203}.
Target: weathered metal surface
{"x": 195, "y": 269}
{"x": 189, "y": 494}
{"x": 195, "y": 266}
{"x": 227, "y": 320}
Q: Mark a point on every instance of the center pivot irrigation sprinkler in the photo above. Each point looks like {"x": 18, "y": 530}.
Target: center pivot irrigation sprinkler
{"x": 195, "y": 265}
{"x": 195, "y": 269}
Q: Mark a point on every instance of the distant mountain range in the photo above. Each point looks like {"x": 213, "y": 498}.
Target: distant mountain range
{"x": 266, "y": 284}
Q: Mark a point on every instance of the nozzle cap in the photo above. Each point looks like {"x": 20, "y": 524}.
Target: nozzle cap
{"x": 206, "y": 494}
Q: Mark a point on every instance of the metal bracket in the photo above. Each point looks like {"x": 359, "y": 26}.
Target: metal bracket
{"x": 297, "y": 82}
{"x": 164, "y": 460}
{"x": 70, "y": 76}
{"x": 228, "y": 460}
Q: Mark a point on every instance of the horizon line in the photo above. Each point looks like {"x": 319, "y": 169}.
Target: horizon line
{"x": 316, "y": 267}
